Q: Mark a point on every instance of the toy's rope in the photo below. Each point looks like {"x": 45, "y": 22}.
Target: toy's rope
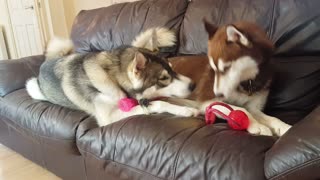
{"x": 210, "y": 113}
{"x": 221, "y": 104}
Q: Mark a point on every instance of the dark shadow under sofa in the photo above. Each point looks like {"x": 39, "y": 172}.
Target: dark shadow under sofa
{"x": 70, "y": 144}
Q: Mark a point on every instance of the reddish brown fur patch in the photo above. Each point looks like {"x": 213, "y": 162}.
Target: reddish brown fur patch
{"x": 198, "y": 69}
{"x": 261, "y": 47}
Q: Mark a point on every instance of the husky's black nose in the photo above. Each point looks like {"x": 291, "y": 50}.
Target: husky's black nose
{"x": 218, "y": 95}
{"x": 192, "y": 86}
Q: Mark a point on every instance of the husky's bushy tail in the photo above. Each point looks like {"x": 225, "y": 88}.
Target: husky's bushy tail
{"x": 34, "y": 90}
{"x": 155, "y": 38}
{"x": 58, "y": 47}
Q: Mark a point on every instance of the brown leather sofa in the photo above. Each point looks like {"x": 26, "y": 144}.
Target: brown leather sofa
{"x": 71, "y": 145}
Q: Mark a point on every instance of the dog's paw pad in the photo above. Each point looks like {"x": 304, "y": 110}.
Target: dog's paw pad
{"x": 259, "y": 129}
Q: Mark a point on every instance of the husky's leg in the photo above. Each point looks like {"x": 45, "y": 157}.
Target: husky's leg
{"x": 162, "y": 106}
{"x": 255, "y": 127}
{"x": 107, "y": 112}
{"x": 277, "y": 126}
{"x": 101, "y": 80}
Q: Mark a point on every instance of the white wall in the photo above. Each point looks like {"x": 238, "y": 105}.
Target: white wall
{"x": 54, "y": 18}
{"x": 92, "y": 4}
{"x": 70, "y": 14}
{"x": 5, "y": 23}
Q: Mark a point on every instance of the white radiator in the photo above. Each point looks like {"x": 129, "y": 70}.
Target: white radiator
{"x": 3, "y": 48}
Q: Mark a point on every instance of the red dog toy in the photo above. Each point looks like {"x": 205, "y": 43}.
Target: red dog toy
{"x": 237, "y": 119}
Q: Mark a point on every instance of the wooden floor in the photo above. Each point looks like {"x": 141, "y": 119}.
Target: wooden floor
{"x": 15, "y": 167}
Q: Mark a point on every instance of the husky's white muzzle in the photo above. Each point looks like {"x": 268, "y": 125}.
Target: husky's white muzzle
{"x": 180, "y": 87}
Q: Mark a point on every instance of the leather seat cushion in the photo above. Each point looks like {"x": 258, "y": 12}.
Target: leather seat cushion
{"x": 171, "y": 147}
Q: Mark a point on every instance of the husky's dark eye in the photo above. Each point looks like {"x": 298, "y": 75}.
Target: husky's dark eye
{"x": 163, "y": 78}
{"x": 226, "y": 68}
{"x": 228, "y": 42}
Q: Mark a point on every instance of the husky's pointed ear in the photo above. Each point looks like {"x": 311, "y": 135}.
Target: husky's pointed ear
{"x": 234, "y": 35}
{"x": 139, "y": 62}
{"x": 210, "y": 28}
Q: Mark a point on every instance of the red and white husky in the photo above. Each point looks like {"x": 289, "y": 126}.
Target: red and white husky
{"x": 238, "y": 72}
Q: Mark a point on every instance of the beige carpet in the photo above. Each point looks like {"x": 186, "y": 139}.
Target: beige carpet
{"x": 15, "y": 167}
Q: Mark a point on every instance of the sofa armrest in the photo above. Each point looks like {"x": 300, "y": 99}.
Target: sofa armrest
{"x": 14, "y": 73}
{"x": 296, "y": 155}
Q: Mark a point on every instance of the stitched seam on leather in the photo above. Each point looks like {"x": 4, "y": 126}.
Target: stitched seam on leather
{"x": 125, "y": 165}
{"x": 19, "y": 105}
{"x": 221, "y": 5}
{"x": 180, "y": 149}
{"x": 30, "y": 67}
{"x": 40, "y": 117}
{"x": 115, "y": 141}
{"x": 14, "y": 90}
{"x": 180, "y": 28}
{"x": 117, "y": 18}
{"x": 297, "y": 168}
{"x": 43, "y": 159}
{"x": 145, "y": 18}
{"x": 76, "y": 129}
{"x": 43, "y": 137}
{"x": 34, "y": 133}
{"x": 85, "y": 166}
{"x": 272, "y": 18}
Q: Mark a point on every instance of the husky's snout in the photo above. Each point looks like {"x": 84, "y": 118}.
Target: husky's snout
{"x": 192, "y": 86}
{"x": 181, "y": 87}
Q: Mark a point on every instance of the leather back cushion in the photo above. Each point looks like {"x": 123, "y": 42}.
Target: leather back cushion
{"x": 295, "y": 91}
{"x": 116, "y": 25}
{"x": 293, "y": 25}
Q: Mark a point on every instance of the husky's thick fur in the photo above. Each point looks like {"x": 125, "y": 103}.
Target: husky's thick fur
{"x": 95, "y": 82}
{"x": 238, "y": 72}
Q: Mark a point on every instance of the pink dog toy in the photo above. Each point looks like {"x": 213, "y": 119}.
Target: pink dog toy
{"x": 126, "y": 104}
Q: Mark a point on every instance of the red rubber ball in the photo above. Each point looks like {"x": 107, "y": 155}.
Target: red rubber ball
{"x": 238, "y": 120}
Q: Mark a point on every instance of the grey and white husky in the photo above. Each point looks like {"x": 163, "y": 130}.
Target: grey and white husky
{"x": 95, "y": 82}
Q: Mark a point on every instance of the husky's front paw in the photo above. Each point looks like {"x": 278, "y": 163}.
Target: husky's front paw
{"x": 259, "y": 129}
{"x": 281, "y": 129}
{"x": 188, "y": 112}
{"x": 161, "y": 106}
